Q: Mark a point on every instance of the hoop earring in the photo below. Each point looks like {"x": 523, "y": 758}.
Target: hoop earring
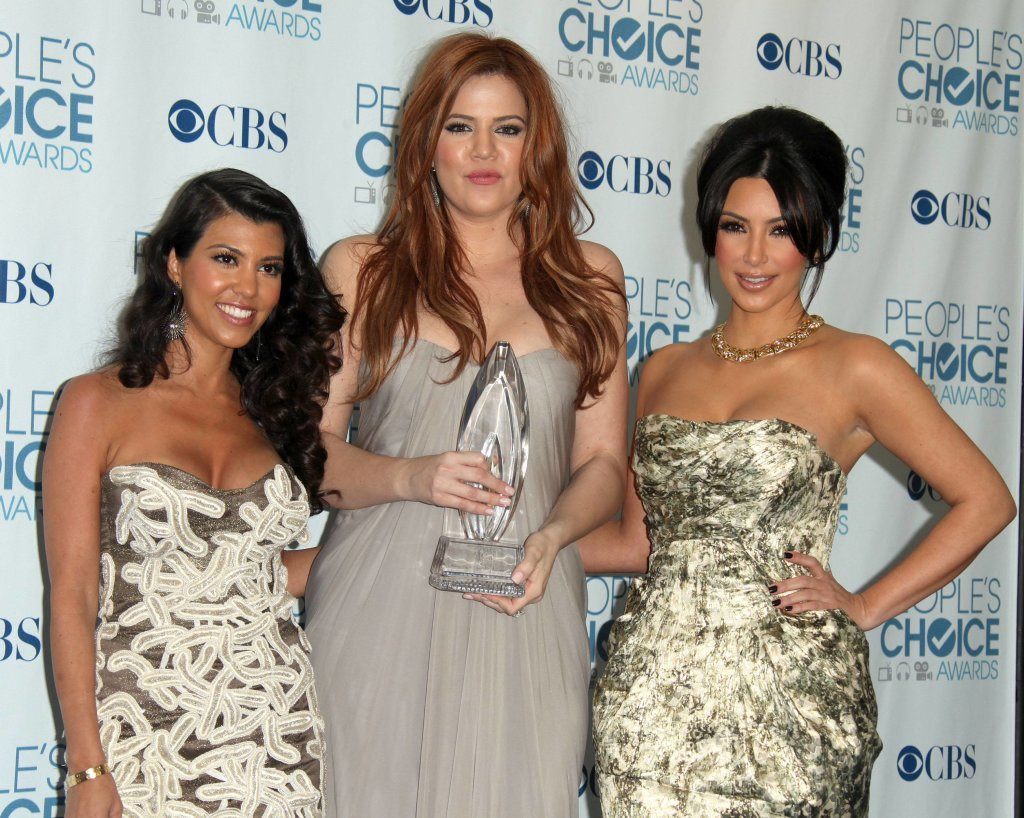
{"x": 174, "y": 330}
{"x": 434, "y": 189}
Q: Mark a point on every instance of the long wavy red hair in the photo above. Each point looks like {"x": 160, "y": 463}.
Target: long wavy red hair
{"x": 418, "y": 257}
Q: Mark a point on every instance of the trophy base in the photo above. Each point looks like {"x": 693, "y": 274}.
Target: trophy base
{"x": 476, "y": 566}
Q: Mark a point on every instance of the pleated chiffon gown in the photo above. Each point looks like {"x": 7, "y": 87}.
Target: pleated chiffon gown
{"x": 437, "y": 706}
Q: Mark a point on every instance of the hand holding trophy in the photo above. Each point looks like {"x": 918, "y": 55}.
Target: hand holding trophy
{"x": 496, "y": 423}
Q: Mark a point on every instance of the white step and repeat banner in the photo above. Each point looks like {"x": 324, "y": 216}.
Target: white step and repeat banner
{"x": 106, "y": 107}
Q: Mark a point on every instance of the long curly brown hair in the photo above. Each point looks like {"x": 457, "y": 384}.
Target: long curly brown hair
{"x": 418, "y": 257}
{"x": 285, "y": 370}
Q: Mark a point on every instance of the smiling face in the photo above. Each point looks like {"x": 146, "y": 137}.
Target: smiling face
{"x": 761, "y": 268}
{"x": 480, "y": 148}
{"x": 231, "y": 281}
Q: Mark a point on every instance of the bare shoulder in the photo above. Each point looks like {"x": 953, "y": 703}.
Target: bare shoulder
{"x": 95, "y": 395}
{"x": 343, "y": 261}
{"x": 863, "y": 363}
{"x": 90, "y": 412}
{"x": 600, "y": 258}
{"x": 666, "y": 361}
{"x": 860, "y": 353}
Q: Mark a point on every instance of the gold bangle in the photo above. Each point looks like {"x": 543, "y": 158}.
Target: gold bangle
{"x": 73, "y": 780}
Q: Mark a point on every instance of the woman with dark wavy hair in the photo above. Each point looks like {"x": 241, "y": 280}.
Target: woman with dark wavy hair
{"x": 442, "y": 706}
{"x": 173, "y": 479}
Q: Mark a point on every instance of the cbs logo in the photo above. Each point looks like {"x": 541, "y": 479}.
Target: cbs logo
{"x": 458, "y": 12}
{"x": 940, "y": 763}
{"x": 228, "y": 126}
{"x": 917, "y": 488}
{"x": 955, "y": 209}
{"x": 805, "y": 58}
{"x": 625, "y": 174}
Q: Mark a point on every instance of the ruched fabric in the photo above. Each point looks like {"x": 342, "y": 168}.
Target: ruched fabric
{"x": 714, "y": 703}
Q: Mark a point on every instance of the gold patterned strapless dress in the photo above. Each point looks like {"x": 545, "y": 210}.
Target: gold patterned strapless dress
{"x": 204, "y": 687}
{"x": 714, "y": 703}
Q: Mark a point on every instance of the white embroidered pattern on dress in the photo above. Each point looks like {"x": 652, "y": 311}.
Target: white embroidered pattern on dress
{"x": 209, "y": 651}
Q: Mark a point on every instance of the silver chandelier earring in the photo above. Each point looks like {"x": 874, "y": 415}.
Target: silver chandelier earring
{"x": 175, "y": 328}
{"x": 434, "y": 189}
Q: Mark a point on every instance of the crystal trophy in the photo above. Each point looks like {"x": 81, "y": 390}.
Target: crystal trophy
{"x": 496, "y": 423}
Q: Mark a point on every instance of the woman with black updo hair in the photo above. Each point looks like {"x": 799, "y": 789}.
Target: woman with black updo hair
{"x": 174, "y": 477}
{"x": 738, "y": 680}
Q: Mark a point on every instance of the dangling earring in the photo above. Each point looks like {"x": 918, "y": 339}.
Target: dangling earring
{"x": 434, "y": 189}
{"x": 259, "y": 343}
{"x": 175, "y": 328}
{"x": 526, "y": 210}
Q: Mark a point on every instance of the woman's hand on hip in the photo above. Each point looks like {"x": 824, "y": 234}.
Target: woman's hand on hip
{"x": 816, "y": 591}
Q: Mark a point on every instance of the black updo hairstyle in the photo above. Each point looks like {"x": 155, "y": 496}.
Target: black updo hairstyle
{"x": 285, "y": 389}
{"x": 803, "y": 161}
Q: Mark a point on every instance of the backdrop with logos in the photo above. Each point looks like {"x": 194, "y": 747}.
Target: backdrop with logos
{"x": 105, "y": 108}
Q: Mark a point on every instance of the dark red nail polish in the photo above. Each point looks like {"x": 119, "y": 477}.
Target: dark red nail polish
{"x": 789, "y": 607}
{"x": 776, "y": 602}
{"x": 772, "y": 589}
{"x": 787, "y": 554}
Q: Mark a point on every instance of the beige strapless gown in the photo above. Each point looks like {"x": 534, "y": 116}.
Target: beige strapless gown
{"x": 713, "y": 703}
{"x": 438, "y": 707}
{"x": 204, "y": 687}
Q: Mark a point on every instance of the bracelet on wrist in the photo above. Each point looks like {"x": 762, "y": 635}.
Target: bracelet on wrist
{"x": 74, "y": 779}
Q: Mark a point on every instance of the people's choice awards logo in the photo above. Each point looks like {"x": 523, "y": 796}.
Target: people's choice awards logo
{"x": 46, "y": 101}
{"x": 604, "y": 593}
{"x": 456, "y": 12}
{"x": 798, "y": 56}
{"x": 953, "y": 635}
{"x": 660, "y": 310}
{"x": 967, "y": 210}
{"x": 960, "y": 350}
{"x": 377, "y": 109}
{"x": 24, "y": 415}
{"x": 959, "y": 76}
{"x": 294, "y": 19}
{"x": 228, "y": 126}
{"x": 633, "y": 45}
{"x": 853, "y": 213}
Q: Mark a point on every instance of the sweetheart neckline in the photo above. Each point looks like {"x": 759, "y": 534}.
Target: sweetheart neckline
{"x": 267, "y": 475}
{"x": 811, "y": 437}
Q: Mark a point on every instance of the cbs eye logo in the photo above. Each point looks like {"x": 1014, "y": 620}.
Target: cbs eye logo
{"x": 924, "y": 206}
{"x": 910, "y": 763}
{"x": 228, "y": 126}
{"x": 457, "y": 12}
{"x": 955, "y": 209}
{"x": 805, "y": 58}
{"x": 625, "y": 174}
{"x": 948, "y": 762}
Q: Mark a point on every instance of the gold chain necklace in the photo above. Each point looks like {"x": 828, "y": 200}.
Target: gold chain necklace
{"x": 723, "y": 349}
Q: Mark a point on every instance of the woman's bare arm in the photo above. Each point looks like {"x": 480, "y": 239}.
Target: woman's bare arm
{"x": 901, "y": 413}
{"x": 75, "y": 459}
{"x": 363, "y": 478}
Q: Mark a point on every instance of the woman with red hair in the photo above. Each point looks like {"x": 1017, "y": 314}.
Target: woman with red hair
{"x": 437, "y": 705}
